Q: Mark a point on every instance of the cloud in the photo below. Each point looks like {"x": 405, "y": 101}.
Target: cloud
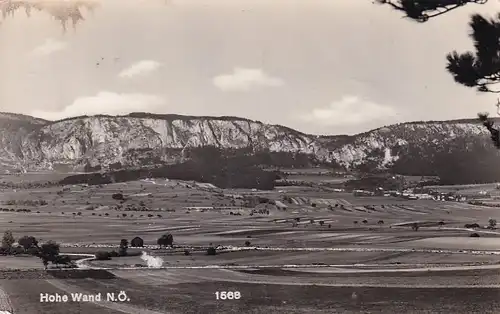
{"x": 50, "y": 46}
{"x": 245, "y": 79}
{"x": 141, "y": 68}
{"x": 106, "y": 103}
{"x": 349, "y": 111}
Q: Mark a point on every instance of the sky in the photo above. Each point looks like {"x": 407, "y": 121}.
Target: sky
{"x": 319, "y": 66}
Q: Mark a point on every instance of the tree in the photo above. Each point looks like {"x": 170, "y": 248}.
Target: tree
{"x": 423, "y": 10}
{"x": 27, "y": 242}
{"x": 211, "y": 251}
{"x": 48, "y": 252}
{"x": 8, "y": 240}
{"x": 415, "y": 226}
{"x": 492, "y": 223}
{"x": 137, "y": 242}
{"x": 123, "y": 247}
{"x": 165, "y": 240}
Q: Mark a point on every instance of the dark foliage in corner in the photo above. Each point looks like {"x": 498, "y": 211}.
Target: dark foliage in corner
{"x": 423, "y": 10}
{"x": 489, "y": 124}
{"x": 479, "y": 69}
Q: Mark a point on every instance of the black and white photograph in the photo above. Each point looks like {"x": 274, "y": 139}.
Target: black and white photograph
{"x": 249, "y": 156}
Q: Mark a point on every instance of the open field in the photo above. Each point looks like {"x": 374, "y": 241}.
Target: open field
{"x": 308, "y": 251}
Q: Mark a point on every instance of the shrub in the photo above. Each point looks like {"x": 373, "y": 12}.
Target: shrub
{"x": 16, "y": 250}
{"x": 32, "y": 251}
{"x": 102, "y": 256}
{"x": 247, "y": 243}
{"x": 113, "y": 254}
{"x": 211, "y": 251}
{"x": 186, "y": 252}
{"x": 472, "y": 226}
{"x": 118, "y": 196}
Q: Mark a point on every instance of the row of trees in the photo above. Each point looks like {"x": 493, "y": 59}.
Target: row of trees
{"x": 48, "y": 252}
{"x": 163, "y": 241}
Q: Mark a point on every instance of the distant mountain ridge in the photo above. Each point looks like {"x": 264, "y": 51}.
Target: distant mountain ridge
{"x": 139, "y": 139}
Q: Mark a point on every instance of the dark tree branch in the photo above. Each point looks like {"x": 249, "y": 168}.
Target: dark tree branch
{"x": 423, "y": 10}
{"x": 479, "y": 69}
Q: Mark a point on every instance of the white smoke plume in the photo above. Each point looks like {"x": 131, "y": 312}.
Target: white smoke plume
{"x": 152, "y": 261}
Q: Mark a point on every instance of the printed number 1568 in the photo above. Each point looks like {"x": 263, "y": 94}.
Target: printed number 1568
{"x": 227, "y": 295}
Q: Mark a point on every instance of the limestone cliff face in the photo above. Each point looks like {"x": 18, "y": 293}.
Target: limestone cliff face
{"x": 138, "y": 138}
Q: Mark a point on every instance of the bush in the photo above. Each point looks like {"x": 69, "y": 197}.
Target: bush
{"x": 113, "y": 254}
{"x": 103, "y": 256}
{"x": 32, "y": 251}
{"x": 186, "y": 252}
{"x": 211, "y": 251}
{"x": 472, "y": 226}
{"x": 17, "y": 250}
{"x": 118, "y": 196}
{"x": 247, "y": 243}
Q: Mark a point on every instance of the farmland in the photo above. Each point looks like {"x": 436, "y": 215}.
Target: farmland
{"x": 291, "y": 250}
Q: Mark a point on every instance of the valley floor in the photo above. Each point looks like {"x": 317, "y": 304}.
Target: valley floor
{"x": 327, "y": 263}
